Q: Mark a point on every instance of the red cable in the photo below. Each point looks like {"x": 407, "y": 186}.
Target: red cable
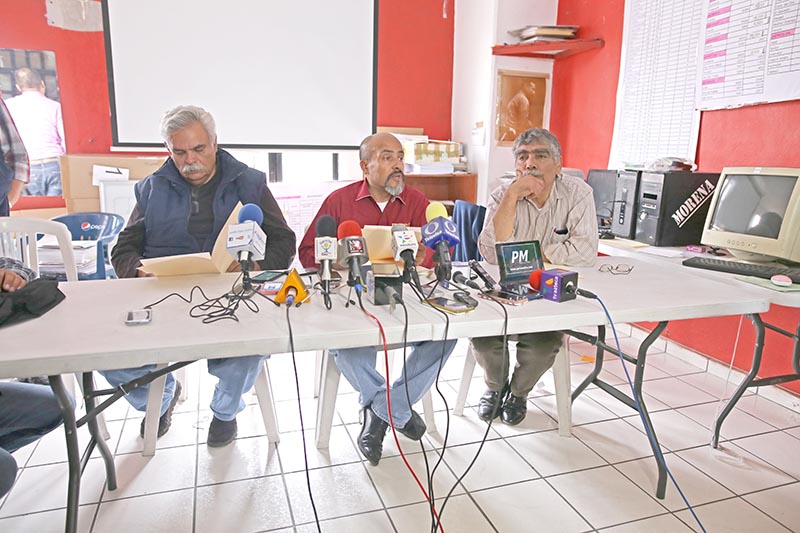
{"x": 391, "y": 418}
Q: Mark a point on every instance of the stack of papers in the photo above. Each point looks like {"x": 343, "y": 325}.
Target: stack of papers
{"x": 536, "y": 33}
{"x": 433, "y": 167}
{"x": 51, "y": 262}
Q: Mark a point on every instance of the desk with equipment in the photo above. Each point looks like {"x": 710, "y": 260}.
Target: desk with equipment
{"x": 755, "y": 214}
{"x": 172, "y": 335}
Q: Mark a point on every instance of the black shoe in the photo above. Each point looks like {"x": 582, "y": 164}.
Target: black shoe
{"x": 370, "y": 440}
{"x": 166, "y": 419}
{"x": 490, "y": 405}
{"x": 221, "y": 433}
{"x": 414, "y": 428}
{"x": 35, "y": 380}
{"x": 514, "y": 410}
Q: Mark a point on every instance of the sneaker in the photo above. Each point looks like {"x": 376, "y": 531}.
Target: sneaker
{"x": 221, "y": 433}
{"x": 166, "y": 419}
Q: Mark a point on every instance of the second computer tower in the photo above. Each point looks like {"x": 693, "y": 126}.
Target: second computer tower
{"x": 625, "y": 197}
{"x": 672, "y": 207}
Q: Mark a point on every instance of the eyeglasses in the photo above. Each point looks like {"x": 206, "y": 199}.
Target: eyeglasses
{"x": 616, "y": 269}
{"x": 539, "y": 154}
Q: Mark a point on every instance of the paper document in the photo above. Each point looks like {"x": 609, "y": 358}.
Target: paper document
{"x": 379, "y": 242}
{"x": 218, "y": 261}
{"x": 101, "y": 173}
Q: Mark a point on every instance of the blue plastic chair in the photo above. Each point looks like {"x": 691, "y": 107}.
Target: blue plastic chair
{"x": 101, "y": 227}
{"x": 468, "y": 218}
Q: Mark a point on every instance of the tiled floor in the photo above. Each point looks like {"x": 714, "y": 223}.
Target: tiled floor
{"x": 527, "y": 478}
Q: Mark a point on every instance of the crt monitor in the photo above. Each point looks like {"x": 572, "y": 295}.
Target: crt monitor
{"x": 755, "y": 213}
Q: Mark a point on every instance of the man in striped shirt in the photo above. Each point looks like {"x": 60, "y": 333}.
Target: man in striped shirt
{"x": 558, "y": 211}
{"x": 14, "y": 167}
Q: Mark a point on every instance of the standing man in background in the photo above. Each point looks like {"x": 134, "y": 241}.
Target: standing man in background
{"x": 13, "y": 162}
{"x": 557, "y": 210}
{"x": 39, "y": 122}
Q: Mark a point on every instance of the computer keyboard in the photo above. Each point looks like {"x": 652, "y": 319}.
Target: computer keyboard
{"x": 743, "y": 269}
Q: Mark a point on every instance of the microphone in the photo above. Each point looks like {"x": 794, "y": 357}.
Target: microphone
{"x": 293, "y": 290}
{"x": 558, "y": 285}
{"x": 325, "y": 249}
{"x": 440, "y": 234}
{"x": 352, "y": 252}
{"x": 461, "y": 279}
{"x": 405, "y": 248}
{"x": 246, "y": 240}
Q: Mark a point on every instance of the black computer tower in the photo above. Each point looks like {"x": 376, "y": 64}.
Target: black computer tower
{"x": 672, "y": 207}
{"x": 603, "y": 184}
{"x": 626, "y": 197}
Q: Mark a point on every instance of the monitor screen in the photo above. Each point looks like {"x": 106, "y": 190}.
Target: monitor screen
{"x": 752, "y": 204}
{"x": 755, "y": 213}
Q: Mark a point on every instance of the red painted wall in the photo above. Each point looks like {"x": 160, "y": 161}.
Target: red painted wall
{"x": 415, "y": 68}
{"x": 582, "y": 116}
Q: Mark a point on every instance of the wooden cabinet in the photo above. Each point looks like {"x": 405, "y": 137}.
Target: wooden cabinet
{"x": 446, "y": 187}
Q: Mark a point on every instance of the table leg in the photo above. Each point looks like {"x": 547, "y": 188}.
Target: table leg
{"x": 641, "y": 359}
{"x": 326, "y": 403}
{"x": 94, "y": 431}
{"x": 73, "y": 453}
{"x": 598, "y": 361}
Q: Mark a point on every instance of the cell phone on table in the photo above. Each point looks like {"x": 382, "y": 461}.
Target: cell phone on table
{"x": 481, "y": 272}
{"x": 510, "y": 298}
{"x": 138, "y": 317}
{"x": 451, "y": 306}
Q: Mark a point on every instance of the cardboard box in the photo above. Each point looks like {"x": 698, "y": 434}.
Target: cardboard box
{"x": 82, "y": 205}
{"x": 431, "y": 151}
{"x": 76, "y": 173}
{"x": 40, "y": 213}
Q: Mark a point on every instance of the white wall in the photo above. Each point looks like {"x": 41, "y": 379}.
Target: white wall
{"x": 480, "y": 24}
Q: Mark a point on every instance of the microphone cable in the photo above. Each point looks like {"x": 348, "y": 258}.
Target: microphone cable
{"x": 214, "y": 309}
{"x": 389, "y": 401}
{"x": 432, "y": 472}
{"x": 428, "y": 475}
{"x": 650, "y": 437}
{"x": 495, "y": 409}
{"x": 300, "y": 411}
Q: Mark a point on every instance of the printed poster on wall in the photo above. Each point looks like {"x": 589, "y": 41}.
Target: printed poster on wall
{"x": 750, "y": 53}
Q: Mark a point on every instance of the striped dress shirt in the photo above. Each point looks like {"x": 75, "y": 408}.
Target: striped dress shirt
{"x": 11, "y": 147}
{"x": 565, "y": 226}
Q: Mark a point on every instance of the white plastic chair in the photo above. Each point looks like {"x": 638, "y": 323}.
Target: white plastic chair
{"x": 561, "y": 377}
{"x": 18, "y": 237}
{"x": 327, "y": 387}
{"x": 155, "y": 393}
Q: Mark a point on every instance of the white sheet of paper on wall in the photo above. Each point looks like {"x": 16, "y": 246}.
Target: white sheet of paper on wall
{"x": 101, "y": 173}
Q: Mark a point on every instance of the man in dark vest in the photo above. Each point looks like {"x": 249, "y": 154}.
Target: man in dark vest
{"x": 180, "y": 209}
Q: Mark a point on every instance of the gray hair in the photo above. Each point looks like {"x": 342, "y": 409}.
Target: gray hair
{"x": 539, "y": 136}
{"x": 183, "y": 116}
{"x": 27, "y": 78}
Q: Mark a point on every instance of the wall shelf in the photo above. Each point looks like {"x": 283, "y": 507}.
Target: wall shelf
{"x": 548, "y": 49}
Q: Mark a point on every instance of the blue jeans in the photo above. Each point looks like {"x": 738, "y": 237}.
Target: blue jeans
{"x": 236, "y": 376}
{"x": 27, "y": 412}
{"x": 45, "y": 179}
{"x": 358, "y": 367}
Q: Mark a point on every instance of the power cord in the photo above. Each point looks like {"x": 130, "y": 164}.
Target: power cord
{"x": 650, "y": 437}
